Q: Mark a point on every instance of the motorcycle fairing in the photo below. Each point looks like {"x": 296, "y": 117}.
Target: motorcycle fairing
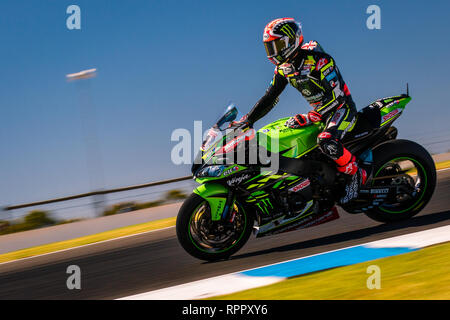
{"x": 276, "y": 137}
{"x": 216, "y": 196}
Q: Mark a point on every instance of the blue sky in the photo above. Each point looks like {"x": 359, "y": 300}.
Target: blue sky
{"x": 163, "y": 64}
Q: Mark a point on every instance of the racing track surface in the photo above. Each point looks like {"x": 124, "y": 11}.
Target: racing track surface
{"x": 155, "y": 260}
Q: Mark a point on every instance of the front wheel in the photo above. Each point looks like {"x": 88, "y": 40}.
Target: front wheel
{"x": 408, "y": 166}
{"x": 210, "y": 240}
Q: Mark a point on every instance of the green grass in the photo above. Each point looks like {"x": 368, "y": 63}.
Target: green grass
{"x": 107, "y": 235}
{"x": 422, "y": 274}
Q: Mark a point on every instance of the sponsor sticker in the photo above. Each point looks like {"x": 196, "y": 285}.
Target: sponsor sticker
{"x": 325, "y": 135}
{"x": 379, "y": 191}
{"x": 390, "y": 115}
{"x": 238, "y": 180}
{"x": 331, "y": 106}
{"x": 287, "y": 68}
{"x": 231, "y": 170}
{"x": 233, "y": 143}
{"x": 331, "y": 76}
{"x": 300, "y": 186}
{"x": 322, "y": 62}
{"x": 305, "y": 72}
{"x": 337, "y": 117}
{"x": 306, "y": 92}
{"x": 326, "y": 72}
{"x": 315, "y": 98}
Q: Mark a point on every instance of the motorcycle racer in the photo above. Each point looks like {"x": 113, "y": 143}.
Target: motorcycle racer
{"x": 313, "y": 72}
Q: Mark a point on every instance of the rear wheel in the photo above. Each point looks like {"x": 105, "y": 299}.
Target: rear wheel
{"x": 408, "y": 166}
{"x": 211, "y": 240}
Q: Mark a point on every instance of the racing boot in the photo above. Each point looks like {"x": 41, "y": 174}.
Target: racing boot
{"x": 352, "y": 188}
{"x": 358, "y": 176}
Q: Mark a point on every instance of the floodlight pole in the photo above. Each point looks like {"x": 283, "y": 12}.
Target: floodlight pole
{"x": 93, "y": 155}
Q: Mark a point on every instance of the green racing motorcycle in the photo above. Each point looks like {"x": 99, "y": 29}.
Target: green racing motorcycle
{"x": 238, "y": 194}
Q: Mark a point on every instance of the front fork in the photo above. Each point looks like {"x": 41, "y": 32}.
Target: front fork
{"x": 219, "y": 198}
{"x": 228, "y": 212}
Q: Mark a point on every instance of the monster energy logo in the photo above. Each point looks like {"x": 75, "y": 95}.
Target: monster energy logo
{"x": 287, "y": 30}
{"x": 264, "y": 204}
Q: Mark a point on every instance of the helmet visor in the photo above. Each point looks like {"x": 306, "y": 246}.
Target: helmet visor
{"x": 275, "y": 47}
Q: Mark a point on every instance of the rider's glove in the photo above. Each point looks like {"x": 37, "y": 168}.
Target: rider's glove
{"x": 301, "y": 120}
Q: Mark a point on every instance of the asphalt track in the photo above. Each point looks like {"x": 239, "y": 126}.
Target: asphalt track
{"x": 155, "y": 260}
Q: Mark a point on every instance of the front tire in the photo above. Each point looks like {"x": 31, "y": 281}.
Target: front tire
{"x": 211, "y": 240}
{"x": 388, "y": 161}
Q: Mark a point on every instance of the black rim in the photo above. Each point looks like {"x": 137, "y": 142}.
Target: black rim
{"x": 216, "y": 236}
{"x": 409, "y": 176}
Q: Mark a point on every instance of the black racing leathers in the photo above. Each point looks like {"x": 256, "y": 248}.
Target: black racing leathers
{"x": 315, "y": 74}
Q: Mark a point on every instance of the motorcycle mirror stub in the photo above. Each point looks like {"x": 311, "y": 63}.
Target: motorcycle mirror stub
{"x": 230, "y": 114}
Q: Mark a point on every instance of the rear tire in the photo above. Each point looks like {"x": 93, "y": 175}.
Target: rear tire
{"x": 198, "y": 249}
{"x": 419, "y": 156}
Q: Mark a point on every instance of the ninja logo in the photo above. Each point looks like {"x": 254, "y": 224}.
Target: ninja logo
{"x": 237, "y": 180}
{"x": 374, "y": 20}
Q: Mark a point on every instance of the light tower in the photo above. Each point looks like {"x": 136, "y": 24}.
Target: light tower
{"x": 88, "y": 119}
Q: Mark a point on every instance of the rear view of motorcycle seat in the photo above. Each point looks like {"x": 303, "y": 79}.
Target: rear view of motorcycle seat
{"x": 368, "y": 129}
{"x": 368, "y": 119}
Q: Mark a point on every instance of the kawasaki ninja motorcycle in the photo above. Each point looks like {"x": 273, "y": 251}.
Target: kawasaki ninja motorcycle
{"x": 238, "y": 194}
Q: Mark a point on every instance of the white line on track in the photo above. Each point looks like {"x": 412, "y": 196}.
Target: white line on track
{"x": 210, "y": 287}
{"x": 237, "y": 281}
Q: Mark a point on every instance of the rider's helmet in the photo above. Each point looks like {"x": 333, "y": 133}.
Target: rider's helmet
{"x": 281, "y": 38}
